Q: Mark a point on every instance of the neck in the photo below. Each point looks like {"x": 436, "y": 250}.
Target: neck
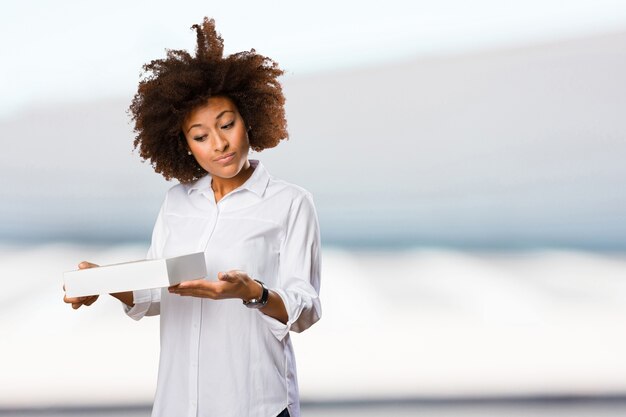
{"x": 223, "y": 186}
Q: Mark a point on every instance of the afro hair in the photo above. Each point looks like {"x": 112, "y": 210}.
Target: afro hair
{"x": 172, "y": 87}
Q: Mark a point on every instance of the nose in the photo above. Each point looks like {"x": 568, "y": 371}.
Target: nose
{"x": 220, "y": 143}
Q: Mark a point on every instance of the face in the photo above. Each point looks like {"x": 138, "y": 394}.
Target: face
{"x": 217, "y": 137}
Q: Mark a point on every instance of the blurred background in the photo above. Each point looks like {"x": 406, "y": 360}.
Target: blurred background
{"x": 466, "y": 159}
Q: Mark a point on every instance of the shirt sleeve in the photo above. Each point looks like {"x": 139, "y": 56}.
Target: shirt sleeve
{"x": 299, "y": 270}
{"x": 147, "y": 302}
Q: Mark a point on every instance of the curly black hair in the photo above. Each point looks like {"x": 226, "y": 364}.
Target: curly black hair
{"x": 174, "y": 86}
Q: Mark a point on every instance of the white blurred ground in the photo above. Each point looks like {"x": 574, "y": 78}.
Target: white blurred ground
{"x": 396, "y": 324}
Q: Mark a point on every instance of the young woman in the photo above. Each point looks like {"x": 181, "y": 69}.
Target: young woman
{"x": 196, "y": 118}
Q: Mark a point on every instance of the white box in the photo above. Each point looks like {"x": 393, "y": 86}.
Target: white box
{"x": 135, "y": 275}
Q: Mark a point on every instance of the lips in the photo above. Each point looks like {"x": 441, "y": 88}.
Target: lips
{"x": 225, "y": 159}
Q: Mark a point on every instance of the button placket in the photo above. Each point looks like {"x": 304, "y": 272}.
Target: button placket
{"x": 197, "y": 318}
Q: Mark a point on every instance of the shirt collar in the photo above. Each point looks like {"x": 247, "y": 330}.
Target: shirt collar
{"x": 257, "y": 183}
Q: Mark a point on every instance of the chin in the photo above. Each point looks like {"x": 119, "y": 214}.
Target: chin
{"x": 228, "y": 171}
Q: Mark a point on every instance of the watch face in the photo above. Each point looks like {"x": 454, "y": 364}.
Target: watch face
{"x": 254, "y": 305}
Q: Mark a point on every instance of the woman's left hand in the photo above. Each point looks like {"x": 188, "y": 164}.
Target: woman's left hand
{"x": 231, "y": 284}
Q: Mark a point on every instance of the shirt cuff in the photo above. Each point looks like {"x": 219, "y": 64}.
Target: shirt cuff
{"x": 303, "y": 310}
{"x": 278, "y": 329}
{"x": 142, "y": 300}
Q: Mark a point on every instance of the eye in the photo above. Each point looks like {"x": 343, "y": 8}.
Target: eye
{"x": 199, "y": 138}
{"x": 229, "y": 125}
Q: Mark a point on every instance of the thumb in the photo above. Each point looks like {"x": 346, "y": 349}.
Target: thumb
{"x": 224, "y": 276}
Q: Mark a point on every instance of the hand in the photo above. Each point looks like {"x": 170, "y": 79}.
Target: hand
{"x": 231, "y": 284}
{"x": 76, "y": 302}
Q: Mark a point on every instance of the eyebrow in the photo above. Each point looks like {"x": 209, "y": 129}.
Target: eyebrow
{"x": 216, "y": 118}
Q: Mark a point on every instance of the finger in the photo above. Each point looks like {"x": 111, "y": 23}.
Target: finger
{"x": 226, "y": 276}
{"x": 86, "y": 265}
{"x": 196, "y": 283}
{"x": 184, "y": 290}
{"x": 76, "y": 306}
{"x": 90, "y": 300}
{"x": 190, "y": 293}
{"x": 195, "y": 292}
{"x": 73, "y": 300}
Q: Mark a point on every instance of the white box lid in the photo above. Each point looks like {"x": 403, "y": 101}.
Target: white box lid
{"x": 136, "y": 275}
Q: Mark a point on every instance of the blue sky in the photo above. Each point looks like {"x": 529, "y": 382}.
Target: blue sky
{"x": 74, "y": 50}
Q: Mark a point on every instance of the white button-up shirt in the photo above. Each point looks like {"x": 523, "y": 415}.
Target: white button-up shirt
{"x": 218, "y": 357}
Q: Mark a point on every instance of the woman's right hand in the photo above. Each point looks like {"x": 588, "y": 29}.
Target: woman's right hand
{"x": 76, "y": 302}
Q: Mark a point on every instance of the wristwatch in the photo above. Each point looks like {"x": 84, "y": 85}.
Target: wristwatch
{"x": 256, "y": 303}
